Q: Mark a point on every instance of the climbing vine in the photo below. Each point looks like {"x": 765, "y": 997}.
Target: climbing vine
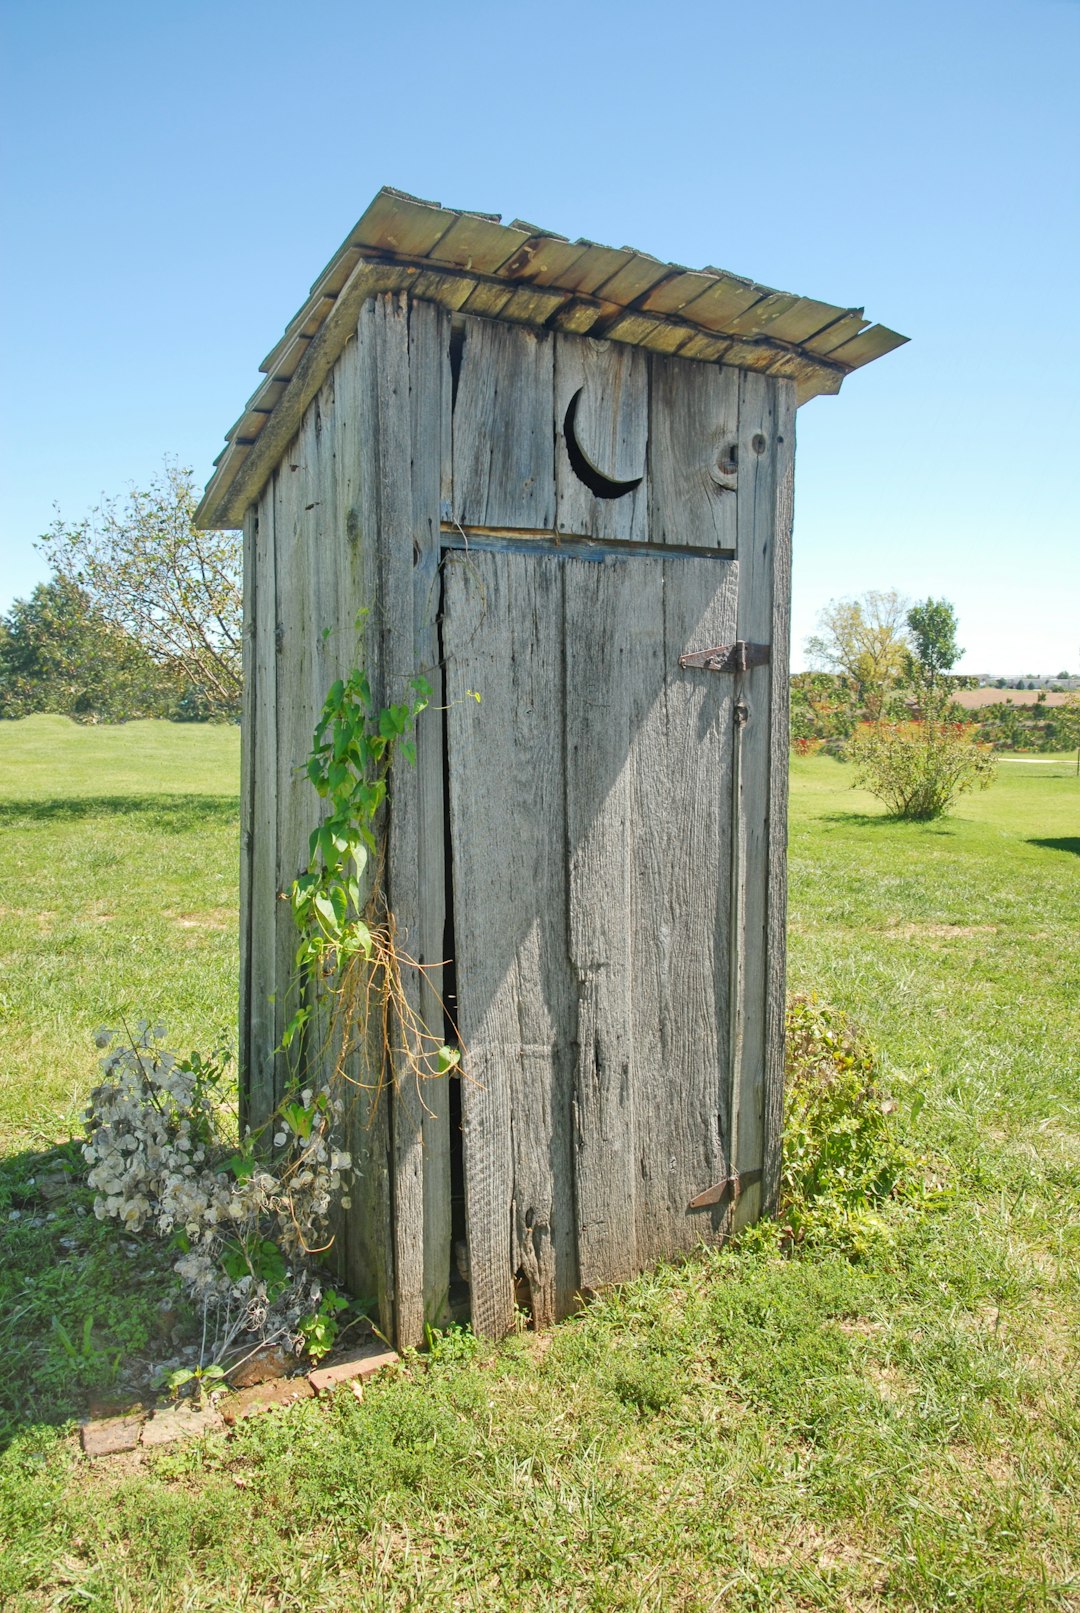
{"x": 348, "y": 954}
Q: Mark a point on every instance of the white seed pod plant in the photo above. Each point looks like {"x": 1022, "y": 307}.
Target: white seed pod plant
{"x": 247, "y": 1226}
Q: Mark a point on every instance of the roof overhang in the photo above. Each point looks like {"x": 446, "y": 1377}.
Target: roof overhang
{"x": 472, "y": 263}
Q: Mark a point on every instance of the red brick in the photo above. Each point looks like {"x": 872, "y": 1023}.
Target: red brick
{"x": 372, "y": 1358}
{"x": 264, "y": 1396}
{"x": 179, "y": 1422}
{"x": 111, "y": 1435}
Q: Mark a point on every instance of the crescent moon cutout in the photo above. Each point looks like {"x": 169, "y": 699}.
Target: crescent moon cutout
{"x": 582, "y": 466}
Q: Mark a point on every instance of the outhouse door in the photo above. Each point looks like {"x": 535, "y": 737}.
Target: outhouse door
{"x": 596, "y": 841}
{"x": 616, "y": 803}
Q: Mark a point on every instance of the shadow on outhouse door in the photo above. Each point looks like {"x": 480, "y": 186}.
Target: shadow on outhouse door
{"x": 591, "y": 820}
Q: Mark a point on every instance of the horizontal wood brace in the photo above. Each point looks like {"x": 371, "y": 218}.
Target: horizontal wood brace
{"x": 508, "y": 540}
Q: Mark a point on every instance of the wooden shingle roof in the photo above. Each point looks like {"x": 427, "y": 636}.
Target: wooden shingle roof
{"x": 475, "y": 264}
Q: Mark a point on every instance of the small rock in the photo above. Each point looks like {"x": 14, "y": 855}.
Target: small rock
{"x": 166, "y": 1320}
{"x": 179, "y": 1422}
{"x": 359, "y": 1365}
{"x": 112, "y": 1435}
{"x": 264, "y": 1396}
{"x": 56, "y": 1185}
{"x": 261, "y": 1367}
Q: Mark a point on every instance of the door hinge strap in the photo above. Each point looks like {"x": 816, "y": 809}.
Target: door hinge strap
{"x": 737, "y": 657}
{"x": 730, "y": 1187}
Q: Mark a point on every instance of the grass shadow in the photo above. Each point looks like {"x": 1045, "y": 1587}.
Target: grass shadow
{"x": 163, "y": 814}
{"x": 878, "y": 820}
{"x": 84, "y": 1303}
{"x": 1064, "y": 843}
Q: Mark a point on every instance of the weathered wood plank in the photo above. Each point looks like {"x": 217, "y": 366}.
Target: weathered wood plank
{"x": 397, "y": 222}
{"x": 391, "y": 646}
{"x": 673, "y": 294}
{"x": 509, "y": 540}
{"x": 705, "y": 346}
{"x": 283, "y": 359}
{"x": 296, "y": 633}
{"x": 647, "y": 330}
{"x": 531, "y": 305}
{"x": 477, "y": 243}
{"x": 612, "y": 635}
{"x": 369, "y": 1251}
{"x": 775, "y": 983}
{"x": 766, "y": 409}
{"x": 543, "y": 260}
{"x": 836, "y": 334}
{"x": 610, "y": 429}
{"x": 587, "y": 273}
{"x": 263, "y": 888}
{"x": 634, "y": 278}
{"x": 805, "y": 317}
{"x": 752, "y": 354}
{"x": 503, "y": 636}
{"x": 346, "y": 566}
{"x": 681, "y": 776}
{"x": 248, "y": 767}
{"x": 692, "y": 471}
{"x": 504, "y": 449}
{"x": 430, "y": 405}
{"x": 724, "y": 299}
{"x": 868, "y": 345}
{"x": 760, "y": 316}
{"x": 487, "y": 299}
{"x": 579, "y": 315}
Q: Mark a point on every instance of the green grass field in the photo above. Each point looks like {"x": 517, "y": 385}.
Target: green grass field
{"x": 744, "y": 1431}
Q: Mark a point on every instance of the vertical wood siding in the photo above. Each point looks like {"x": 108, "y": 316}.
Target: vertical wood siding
{"x": 617, "y": 834}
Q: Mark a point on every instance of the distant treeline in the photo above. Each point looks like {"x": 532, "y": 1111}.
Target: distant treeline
{"x": 826, "y": 710}
{"x": 58, "y": 653}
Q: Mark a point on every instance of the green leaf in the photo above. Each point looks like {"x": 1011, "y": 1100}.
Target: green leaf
{"x": 325, "y": 909}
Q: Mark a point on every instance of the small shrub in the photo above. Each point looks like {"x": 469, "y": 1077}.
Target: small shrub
{"x": 842, "y": 1158}
{"x": 919, "y": 768}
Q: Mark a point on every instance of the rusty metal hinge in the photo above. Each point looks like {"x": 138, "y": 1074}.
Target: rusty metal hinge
{"x": 737, "y": 657}
{"x": 731, "y": 1186}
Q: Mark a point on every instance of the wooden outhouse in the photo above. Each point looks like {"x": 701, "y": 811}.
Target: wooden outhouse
{"x": 558, "y": 475}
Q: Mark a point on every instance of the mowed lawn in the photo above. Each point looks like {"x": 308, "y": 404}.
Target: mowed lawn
{"x": 118, "y": 895}
{"x": 743, "y": 1431}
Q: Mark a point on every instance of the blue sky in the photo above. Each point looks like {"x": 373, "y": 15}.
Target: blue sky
{"x": 175, "y": 177}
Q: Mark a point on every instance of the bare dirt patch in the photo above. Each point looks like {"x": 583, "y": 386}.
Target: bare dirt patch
{"x": 215, "y": 918}
{"x": 948, "y": 932}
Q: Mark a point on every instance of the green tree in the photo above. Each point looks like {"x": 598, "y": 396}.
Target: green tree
{"x": 866, "y": 640}
{"x": 934, "y": 650}
{"x": 176, "y": 591}
{"x": 58, "y": 653}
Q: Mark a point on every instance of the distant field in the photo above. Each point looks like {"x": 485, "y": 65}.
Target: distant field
{"x": 741, "y": 1432}
{"x": 119, "y": 866}
{"x": 974, "y": 699}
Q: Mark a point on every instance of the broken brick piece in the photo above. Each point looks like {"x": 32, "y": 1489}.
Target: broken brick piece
{"x": 359, "y": 1365}
{"x": 179, "y": 1422}
{"x": 264, "y": 1396}
{"x": 110, "y": 1435}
